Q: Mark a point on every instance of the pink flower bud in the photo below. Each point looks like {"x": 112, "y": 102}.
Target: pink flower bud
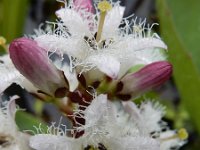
{"x": 150, "y": 76}
{"x": 84, "y": 4}
{"x": 32, "y": 61}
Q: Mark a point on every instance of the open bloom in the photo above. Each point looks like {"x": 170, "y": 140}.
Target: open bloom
{"x": 96, "y": 40}
{"x": 10, "y": 137}
{"x": 95, "y": 43}
{"x": 115, "y": 126}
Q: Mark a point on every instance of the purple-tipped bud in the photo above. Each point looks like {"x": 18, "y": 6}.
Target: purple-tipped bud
{"x": 84, "y": 4}
{"x": 150, "y": 76}
{"x": 32, "y": 61}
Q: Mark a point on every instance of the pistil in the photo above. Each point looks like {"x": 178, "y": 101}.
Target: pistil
{"x": 182, "y": 134}
{"x": 104, "y": 7}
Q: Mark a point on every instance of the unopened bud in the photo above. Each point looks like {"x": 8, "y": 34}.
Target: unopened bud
{"x": 150, "y": 76}
{"x": 32, "y": 61}
{"x": 84, "y": 4}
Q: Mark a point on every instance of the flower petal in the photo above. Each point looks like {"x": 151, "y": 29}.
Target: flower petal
{"x": 8, "y": 128}
{"x": 133, "y": 143}
{"x": 152, "y": 114}
{"x": 137, "y": 51}
{"x": 69, "y": 74}
{"x": 12, "y": 107}
{"x": 95, "y": 110}
{"x": 11, "y": 75}
{"x": 53, "y": 142}
{"x": 73, "y": 21}
{"x": 62, "y": 45}
{"x": 106, "y": 64}
{"x": 146, "y": 50}
{"x": 112, "y": 21}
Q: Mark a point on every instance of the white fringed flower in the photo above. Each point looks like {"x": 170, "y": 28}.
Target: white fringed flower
{"x": 10, "y": 137}
{"x": 97, "y": 41}
{"x": 115, "y": 126}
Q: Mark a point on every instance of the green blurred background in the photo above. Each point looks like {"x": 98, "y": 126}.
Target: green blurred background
{"x": 180, "y": 29}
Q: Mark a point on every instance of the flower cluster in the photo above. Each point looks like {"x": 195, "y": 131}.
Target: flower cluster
{"x": 98, "y": 61}
{"x": 116, "y": 126}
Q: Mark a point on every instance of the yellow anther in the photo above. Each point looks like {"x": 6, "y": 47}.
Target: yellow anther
{"x": 104, "y": 6}
{"x": 182, "y": 134}
{"x": 2, "y": 41}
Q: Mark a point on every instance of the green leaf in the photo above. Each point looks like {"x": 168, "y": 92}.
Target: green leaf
{"x": 180, "y": 23}
{"x": 28, "y": 122}
{"x": 12, "y": 18}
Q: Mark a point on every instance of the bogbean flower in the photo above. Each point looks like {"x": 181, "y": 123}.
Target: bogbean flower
{"x": 102, "y": 46}
{"x": 102, "y": 42}
{"x": 95, "y": 44}
{"x": 116, "y": 126}
{"x": 10, "y": 137}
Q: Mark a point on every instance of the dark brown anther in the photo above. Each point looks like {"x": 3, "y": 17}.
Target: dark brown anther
{"x": 95, "y": 35}
{"x": 66, "y": 81}
{"x": 96, "y": 84}
{"x": 75, "y": 96}
{"x": 101, "y": 147}
{"x": 61, "y": 92}
{"x": 82, "y": 80}
{"x": 108, "y": 79}
{"x": 119, "y": 87}
{"x": 88, "y": 147}
{"x": 91, "y": 42}
{"x": 124, "y": 97}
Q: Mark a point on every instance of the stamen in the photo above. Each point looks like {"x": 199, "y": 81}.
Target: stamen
{"x": 3, "y": 42}
{"x": 104, "y": 7}
{"x": 182, "y": 134}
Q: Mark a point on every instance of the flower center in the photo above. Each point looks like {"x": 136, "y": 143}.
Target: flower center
{"x": 104, "y": 7}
